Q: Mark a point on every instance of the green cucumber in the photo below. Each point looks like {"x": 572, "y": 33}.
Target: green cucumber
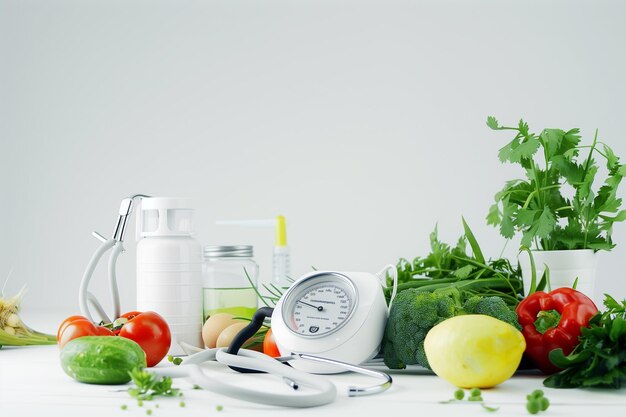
{"x": 103, "y": 360}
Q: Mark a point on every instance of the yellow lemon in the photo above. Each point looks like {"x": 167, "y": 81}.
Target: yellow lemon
{"x": 474, "y": 350}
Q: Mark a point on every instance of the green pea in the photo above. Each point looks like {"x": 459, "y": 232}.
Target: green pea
{"x": 459, "y": 394}
{"x": 544, "y": 403}
{"x": 533, "y": 406}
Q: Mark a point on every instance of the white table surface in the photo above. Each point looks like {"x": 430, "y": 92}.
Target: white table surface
{"x": 33, "y": 383}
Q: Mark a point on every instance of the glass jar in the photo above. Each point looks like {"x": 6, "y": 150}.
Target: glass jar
{"x": 228, "y": 275}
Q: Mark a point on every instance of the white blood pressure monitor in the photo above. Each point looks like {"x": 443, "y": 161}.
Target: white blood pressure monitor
{"x": 335, "y": 315}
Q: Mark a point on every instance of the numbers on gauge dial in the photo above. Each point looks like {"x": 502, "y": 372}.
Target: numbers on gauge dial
{"x": 321, "y": 309}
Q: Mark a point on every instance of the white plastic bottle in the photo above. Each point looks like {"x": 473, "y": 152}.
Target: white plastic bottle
{"x": 169, "y": 268}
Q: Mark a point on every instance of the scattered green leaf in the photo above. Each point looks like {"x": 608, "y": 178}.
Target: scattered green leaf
{"x": 149, "y": 385}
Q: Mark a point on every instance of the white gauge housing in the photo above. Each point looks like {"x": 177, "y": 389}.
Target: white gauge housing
{"x": 336, "y": 315}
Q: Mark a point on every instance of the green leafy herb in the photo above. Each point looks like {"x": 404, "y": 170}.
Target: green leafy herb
{"x": 600, "y": 358}
{"x": 539, "y": 207}
{"x": 149, "y": 385}
{"x": 451, "y": 267}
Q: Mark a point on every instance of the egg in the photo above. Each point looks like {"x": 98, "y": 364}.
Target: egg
{"x": 214, "y": 326}
{"x": 228, "y": 334}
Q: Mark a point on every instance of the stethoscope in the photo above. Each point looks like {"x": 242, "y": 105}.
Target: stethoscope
{"x": 321, "y": 392}
{"x": 116, "y": 243}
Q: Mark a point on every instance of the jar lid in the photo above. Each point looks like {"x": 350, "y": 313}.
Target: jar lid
{"x": 220, "y": 251}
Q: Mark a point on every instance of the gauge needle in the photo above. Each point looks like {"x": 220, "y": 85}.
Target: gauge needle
{"x": 318, "y": 308}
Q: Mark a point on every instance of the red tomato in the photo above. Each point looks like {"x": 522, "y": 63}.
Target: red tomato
{"x": 79, "y": 326}
{"x": 130, "y": 314}
{"x": 150, "y": 331}
{"x": 269, "y": 345}
{"x": 66, "y": 322}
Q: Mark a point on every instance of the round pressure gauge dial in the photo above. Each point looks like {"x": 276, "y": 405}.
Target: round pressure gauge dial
{"x": 319, "y": 305}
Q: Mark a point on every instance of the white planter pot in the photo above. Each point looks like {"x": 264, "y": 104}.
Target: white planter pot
{"x": 565, "y": 266}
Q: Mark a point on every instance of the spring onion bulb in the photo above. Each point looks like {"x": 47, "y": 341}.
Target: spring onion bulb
{"x": 13, "y": 331}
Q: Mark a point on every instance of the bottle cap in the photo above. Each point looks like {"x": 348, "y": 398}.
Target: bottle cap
{"x": 165, "y": 216}
{"x": 281, "y": 231}
{"x": 221, "y": 251}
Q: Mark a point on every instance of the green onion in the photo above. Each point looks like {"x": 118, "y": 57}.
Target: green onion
{"x": 13, "y": 332}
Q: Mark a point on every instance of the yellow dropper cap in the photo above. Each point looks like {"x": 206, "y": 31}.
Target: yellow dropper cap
{"x": 281, "y": 231}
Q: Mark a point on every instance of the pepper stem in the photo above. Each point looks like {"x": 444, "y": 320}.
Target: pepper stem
{"x": 546, "y": 320}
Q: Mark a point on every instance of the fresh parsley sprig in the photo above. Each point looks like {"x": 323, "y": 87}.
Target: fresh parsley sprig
{"x": 540, "y": 207}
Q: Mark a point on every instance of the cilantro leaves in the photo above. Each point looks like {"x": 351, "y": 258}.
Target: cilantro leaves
{"x": 556, "y": 207}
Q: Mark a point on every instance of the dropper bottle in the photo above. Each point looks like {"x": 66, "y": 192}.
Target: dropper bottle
{"x": 281, "y": 255}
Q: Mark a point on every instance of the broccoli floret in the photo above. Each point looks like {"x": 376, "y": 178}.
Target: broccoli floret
{"x": 413, "y": 314}
{"x": 491, "y": 306}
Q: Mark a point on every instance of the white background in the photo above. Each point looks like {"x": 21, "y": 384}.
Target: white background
{"x": 363, "y": 122}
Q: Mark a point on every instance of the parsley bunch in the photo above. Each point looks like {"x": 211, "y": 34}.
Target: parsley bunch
{"x": 600, "y": 358}
{"x": 556, "y": 207}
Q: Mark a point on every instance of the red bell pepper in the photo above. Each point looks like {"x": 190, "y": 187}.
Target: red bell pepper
{"x": 552, "y": 321}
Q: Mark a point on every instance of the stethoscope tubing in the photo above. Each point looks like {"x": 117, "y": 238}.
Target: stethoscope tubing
{"x": 323, "y": 391}
{"x": 83, "y": 292}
